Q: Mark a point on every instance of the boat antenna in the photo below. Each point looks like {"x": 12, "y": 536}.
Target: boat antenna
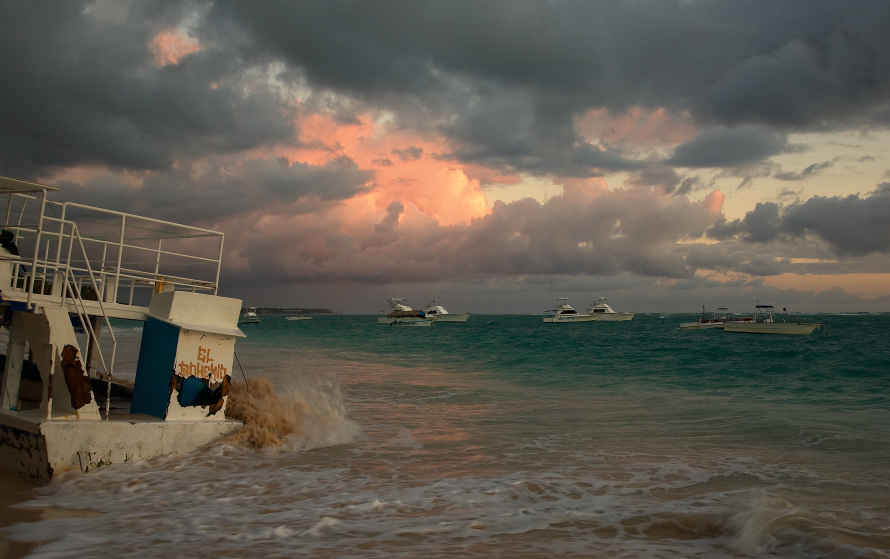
{"x": 556, "y": 307}
{"x": 385, "y": 298}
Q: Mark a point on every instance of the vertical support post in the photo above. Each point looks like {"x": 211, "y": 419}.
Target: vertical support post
{"x": 48, "y": 363}
{"x": 36, "y": 245}
{"x": 120, "y": 256}
{"x": 12, "y": 372}
{"x": 218, "y": 263}
{"x": 158, "y": 258}
{"x": 92, "y": 347}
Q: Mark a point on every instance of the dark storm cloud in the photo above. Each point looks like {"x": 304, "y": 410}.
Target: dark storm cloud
{"x": 759, "y": 225}
{"x": 271, "y": 186}
{"x": 83, "y": 90}
{"x": 592, "y": 156}
{"x": 598, "y": 232}
{"x": 851, "y": 225}
{"x": 667, "y": 178}
{"x": 505, "y": 78}
{"x": 730, "y": 147}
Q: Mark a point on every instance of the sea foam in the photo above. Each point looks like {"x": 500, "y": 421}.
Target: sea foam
{"x": 303, "y": 416}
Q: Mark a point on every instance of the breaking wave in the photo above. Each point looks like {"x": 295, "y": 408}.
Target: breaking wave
{"x": 305, "y": 416}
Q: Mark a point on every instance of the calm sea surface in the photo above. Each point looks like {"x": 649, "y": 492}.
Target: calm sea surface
{"x": 507, "y": 437}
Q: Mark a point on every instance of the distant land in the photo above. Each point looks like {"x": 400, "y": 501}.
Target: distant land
{"x": 297, "y": 310}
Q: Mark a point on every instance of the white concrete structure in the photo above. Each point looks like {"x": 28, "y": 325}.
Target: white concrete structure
{"x": 55, "y": 279}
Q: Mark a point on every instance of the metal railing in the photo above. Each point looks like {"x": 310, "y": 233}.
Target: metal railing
{"x": 112, "y": 236}
{"x": 100, "y": 239}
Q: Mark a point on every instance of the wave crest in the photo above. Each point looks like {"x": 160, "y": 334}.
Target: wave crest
{"x": 302, "y": 417}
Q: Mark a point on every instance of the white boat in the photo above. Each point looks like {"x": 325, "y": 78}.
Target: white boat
{"x": 715, "y": 320}
{"x": 400, "y": 314}
{"x": 564, "y": 313}
{"x": 600, "y": 310}
{"x": 763, "y": 322}
{"x": 57, "y": 411}
{"x": 436, "y": 312}
{"x": 299, "y": 318}
{"x": 249, "y": 316}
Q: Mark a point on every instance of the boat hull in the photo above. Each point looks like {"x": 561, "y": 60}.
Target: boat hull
{"x": 613, "y": 317}
{"x": 789, "y": 328}
{"x": 404, "y": 321}
{"x": 452, "y": 317}
{"x": 570, "y": 318}
{"x": 701, "y": 325}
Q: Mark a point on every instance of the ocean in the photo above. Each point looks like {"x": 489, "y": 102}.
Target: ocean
{"x": 508, "y": 437}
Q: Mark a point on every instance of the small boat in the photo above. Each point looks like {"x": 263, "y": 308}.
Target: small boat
{"x": 436, "y": 312}
{"x": 763, "y": 322}
{"x": 249, "y": 316}
{"x": 299, "y": 318}
{"x": 565, "y": 313}
{"x": 600, "y": 310}
{"x": 400, "y": 314}
{"x": 716, "y": 319}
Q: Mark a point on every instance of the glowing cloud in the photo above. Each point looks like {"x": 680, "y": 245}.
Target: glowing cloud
{"x": 170, "y": 46}
{"x": 406, "y": 169}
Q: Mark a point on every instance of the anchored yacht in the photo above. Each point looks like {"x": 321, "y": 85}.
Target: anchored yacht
{"x": 436, "y": 312}
{"x": 249, "y": 316}
{"x": 716, "y": 319}
{"x": 601, "y": 310}
{"x": 763, "y": 322}
{"x": 565, "y": 313}
{"x": 400, "y": 314}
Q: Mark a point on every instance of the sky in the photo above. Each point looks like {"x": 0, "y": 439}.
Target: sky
{"x": 667, "y": 154}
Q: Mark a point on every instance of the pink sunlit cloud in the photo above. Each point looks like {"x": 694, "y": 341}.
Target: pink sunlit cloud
{"x": 170, "y": 46}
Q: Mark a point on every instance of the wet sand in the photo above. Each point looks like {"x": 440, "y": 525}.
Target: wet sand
{"x": 15, "y": 489}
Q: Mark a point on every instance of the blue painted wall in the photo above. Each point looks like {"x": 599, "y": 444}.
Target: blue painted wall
{"x": 157, "y": 359}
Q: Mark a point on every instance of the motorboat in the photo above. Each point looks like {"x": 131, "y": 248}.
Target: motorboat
{"x": 716, "y": 319}
{"x": 565, "y": 313}
{"x": 436, "y": 312}
{"x": 249, "y": 316}
{"x": 400, "y": 314}
{"x": 601, "y": 310}
{"x": 763, "y": 322}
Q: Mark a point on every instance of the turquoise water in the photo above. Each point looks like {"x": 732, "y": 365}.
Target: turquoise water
{"x": 507, "y": 437}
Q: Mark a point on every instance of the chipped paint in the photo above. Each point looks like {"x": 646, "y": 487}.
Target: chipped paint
{"x": 76, "y": 378}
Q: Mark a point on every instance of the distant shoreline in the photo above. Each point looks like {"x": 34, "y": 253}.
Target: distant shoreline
{"x": 278, "y": 310}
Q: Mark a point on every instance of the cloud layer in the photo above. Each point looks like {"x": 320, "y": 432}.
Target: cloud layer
{"x": 348, "y": 141}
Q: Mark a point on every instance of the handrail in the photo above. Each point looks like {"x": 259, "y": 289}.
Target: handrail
{"x": 91, "y": 332}
{"x": 127, "y": 224}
